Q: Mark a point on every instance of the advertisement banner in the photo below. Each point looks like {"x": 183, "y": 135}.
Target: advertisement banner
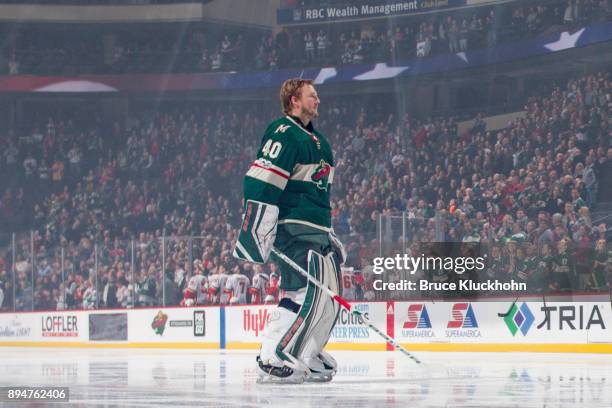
{"x": 186, "y": 325}
{"x": 348, "y": 329}
{"x": 360, "y": 10}
{"x": 16, "y": 327}
{"x": 108, "y": 326}
{"x": 543, "y": 45}
{"x": 245, "y": 324}
{"x": 63, "y": 326}
{"x": 503, "y": 322}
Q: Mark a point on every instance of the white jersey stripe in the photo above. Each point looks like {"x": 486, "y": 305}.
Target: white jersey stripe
{"x": 267, "y": 176}
{"x": 261, "y": 162}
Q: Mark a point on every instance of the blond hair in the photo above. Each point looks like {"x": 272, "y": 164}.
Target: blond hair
{"x": 292, "y": 87}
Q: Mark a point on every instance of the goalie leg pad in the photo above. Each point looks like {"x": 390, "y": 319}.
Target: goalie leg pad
{"x": 323, "y": 314}
{"x": 277, "y": 366}
{"x": 279, "y": 323}
{"x": 296, "y": 333}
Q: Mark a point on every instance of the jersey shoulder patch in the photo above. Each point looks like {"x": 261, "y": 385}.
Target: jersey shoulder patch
{"x": 281, "y": 128}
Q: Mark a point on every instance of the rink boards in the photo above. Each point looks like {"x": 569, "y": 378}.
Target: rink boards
{"x": 425, "y": 326}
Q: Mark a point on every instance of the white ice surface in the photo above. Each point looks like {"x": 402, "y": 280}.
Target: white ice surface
{"x": 152, "y": 378}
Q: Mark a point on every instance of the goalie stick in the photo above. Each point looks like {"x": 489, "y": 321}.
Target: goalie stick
{"x": 509, "y": 309}
{"x": 344, "y": 303}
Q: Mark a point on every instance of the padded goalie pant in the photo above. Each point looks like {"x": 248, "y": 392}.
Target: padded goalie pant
{"x": 301, "y": 325}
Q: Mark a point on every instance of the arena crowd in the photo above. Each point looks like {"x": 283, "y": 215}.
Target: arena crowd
{"x": 98, "y": 198}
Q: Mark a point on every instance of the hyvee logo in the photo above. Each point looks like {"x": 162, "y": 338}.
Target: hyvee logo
{"x": 60, "y": 326}
{"x": 463, "y": 322}
{"x": 519, "y": 319}
{"x": 417, "y": 323}
{"x": 255, "y": 322}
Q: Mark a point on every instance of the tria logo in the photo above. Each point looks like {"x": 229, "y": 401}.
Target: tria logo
{"x": 462, "y": 317}
{"x": 519, "y": 318}
{"x": 255, "y": 321}
{"x": 320, "y": 176}
{"x": 417, "y": 318}
{"x": 282, "y": 128}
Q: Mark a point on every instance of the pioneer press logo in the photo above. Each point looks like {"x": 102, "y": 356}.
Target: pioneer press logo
{"x": 350, "y": 326}
{"x": 519, "y": 319}
{"x": 417, "y": 323}
{"x": 463, "y": 322}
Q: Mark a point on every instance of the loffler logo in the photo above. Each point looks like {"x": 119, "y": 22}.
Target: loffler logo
{"x": 59, "y": 326}
{"x": 462, "y": 317}
{"x": 417, "y": 318}
{"x": 255, "y": 322}
{"x": 519, "y": 319}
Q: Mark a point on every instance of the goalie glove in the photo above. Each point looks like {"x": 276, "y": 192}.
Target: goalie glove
{"x": 337, "y": 247}
{"x": 257, "y": 233}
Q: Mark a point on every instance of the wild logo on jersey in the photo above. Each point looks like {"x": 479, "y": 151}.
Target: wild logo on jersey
{"x": 320, "y": 175}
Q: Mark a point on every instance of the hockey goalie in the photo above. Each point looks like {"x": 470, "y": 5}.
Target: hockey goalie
{"x": 286, "y": 192}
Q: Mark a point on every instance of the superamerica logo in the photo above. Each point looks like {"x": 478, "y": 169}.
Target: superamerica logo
{"x": 417, "y": 318}
{"x": 417, "y": 323}
{"x": 463, "y": 322}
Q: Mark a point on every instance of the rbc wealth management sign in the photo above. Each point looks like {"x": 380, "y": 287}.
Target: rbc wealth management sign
{"x": 360, "y": 9}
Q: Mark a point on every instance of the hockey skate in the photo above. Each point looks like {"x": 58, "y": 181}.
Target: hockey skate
{"x": 322, "y": 368}
{"x": 270, "y": 374}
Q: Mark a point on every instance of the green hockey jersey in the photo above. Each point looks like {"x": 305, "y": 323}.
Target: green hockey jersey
{"x": 294, "y": 170}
